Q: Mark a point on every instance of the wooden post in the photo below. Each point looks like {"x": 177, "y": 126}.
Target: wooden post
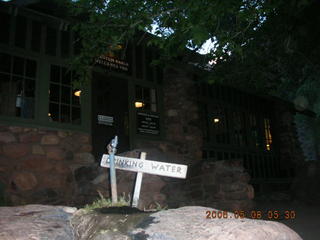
{"x": 140, "y": 166}
{"x": 137, "y": 186}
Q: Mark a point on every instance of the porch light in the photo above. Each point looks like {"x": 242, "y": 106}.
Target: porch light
{"x": 77, "y": 93}
{"x": 138, "y": 104}
{"x": 216, "y": 120}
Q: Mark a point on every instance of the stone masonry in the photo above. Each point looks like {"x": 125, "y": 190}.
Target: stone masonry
{"x": 39, "y": 165}
{"x": 220, "y": 184}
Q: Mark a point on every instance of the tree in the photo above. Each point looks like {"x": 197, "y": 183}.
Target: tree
{"x": 103, "y": 24}
{"x": 267, "y": 39}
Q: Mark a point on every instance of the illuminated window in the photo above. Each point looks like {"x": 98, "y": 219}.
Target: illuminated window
{"x": 146, "y": 99}
{"x": 17, "y": 86}
{"x": 267, "y": 133}
{"x": 64, "y": 102}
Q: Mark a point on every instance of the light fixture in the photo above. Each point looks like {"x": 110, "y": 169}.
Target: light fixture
{"x": 216, "y": 120}
{"x": 77, "y": 93}
{"x": 49, "y": 114}
{"x": 138, "y": 104}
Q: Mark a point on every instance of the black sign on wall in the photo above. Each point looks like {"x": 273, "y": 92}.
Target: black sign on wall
{"x": 148, "y": 124}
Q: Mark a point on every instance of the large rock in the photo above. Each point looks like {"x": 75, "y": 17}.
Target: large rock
{"x": 51, "y": 139}
{"x": 186, "y": 223}
{"x": 16, "y": 150}
{"x": 191, "y": 223}
{"x": 24, "y": 181}
{"x": 7, "y": 137}
{"x": 36, "y": 222}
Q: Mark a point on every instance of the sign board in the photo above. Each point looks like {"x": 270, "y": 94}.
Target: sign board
{"x": 147, "y": 166}
{"x": 105, "y": 120}
{"x": 113, "y": 63}
{"x": 148, "y": 123}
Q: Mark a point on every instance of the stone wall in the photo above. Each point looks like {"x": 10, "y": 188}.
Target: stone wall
{"x": 39, "y": 165}
{"x": 221, "y": 184}
{"x": 182, "y": 129}
{"x": 288, "y": 146}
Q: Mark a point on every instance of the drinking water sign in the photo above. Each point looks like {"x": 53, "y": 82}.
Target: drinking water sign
{"x": 146, "y": 166}
{"x": 140, "y": 166}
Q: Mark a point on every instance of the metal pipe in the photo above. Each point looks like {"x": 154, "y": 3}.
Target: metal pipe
{"x": 112, "y": 148}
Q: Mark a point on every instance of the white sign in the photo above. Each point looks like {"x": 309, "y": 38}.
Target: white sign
{"x": 146, "y": 166}
{"x": 105, "y": 120}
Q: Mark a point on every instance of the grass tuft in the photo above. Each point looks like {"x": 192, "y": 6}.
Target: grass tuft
{"x": 107, "y": 202}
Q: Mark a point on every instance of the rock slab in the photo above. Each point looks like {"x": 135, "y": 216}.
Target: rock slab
{"x": 190, "y": 223}
{"x": 36, "y": 222}
{"x": 42, "y": 222}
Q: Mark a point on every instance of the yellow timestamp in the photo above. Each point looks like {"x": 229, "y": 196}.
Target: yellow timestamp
{"x": 254, "y": 214}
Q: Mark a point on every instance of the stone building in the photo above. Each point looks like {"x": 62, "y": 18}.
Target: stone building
{"x": 53, "y": 136}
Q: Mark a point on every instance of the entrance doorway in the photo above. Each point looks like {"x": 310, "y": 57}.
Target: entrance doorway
{"x": 109, "y": 113}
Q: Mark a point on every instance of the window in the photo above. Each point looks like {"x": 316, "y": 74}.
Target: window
{"x": 51, "y": 41}
{"x": 219, "y": 122}
{"x": 21, "y": 32}
{"x": 17, "y": 86}
{"x": 267, "y": 132}
{"x": 64, "y": 102}
{"x": 4, "y": 27}
{"x": 65, "y": 43}
{"x": 36, "y": 36}
{"x": 239, "y": 137}
{"x": 146, "y": 99}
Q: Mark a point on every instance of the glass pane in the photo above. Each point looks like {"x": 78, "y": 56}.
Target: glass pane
{"x": 65, "y": 43}
{"x": 27, "y": 107}
{"x": 18, "y": 66}
{"x": 146, "y": 94}
{"x": 36, "y": 36}
{"x": 29, "y": 90}
{"x": 31, "y": 68}
{"x": 139, "y": 61}
{"x": 149, "y": 65}
{"x": 17, "y": 85}
{"x": 138, "y": 93}
{"x": 65, "y": 114}
{"x": 55, "y": 74}
{"x": 54, "y": 93}
{"x": 76, "y": 115}
{"x": 7, "y": 101}
{"x": 53, "y": 112}
{"x": 21, "y": 30}
{"x": 51, "y": 41}
{"x": 4, "y": 27}
{"x": 5, "y": 62}
{"x": 65, "y": 94}
{"x": 65, "y": 76}
{"x": 159, "y": 73}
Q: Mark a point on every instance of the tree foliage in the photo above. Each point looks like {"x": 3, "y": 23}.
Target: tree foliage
{"x": 273, "y": 44}
{"x": 102, "y": 24}
{"x": 281, "y": 57}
